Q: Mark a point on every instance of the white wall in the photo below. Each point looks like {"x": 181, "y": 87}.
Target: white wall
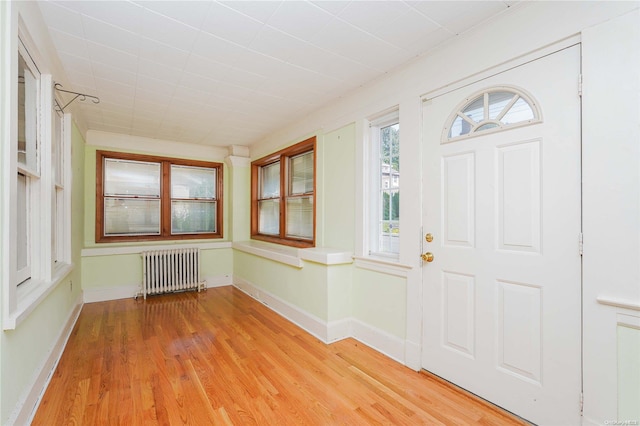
{"x": 611, "y": 218}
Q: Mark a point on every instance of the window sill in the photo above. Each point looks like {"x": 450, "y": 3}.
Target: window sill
{"x": 386, "y": 266}
{"x": 31, "y": 294}
{"x": 294, "y": 256}
{"x": 139, "y": 248}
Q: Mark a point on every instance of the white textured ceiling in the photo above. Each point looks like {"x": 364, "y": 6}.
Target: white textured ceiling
{"x": 232, "y": 72}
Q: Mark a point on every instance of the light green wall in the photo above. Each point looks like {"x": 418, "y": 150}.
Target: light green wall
{"x": 305, "y": 288}
{"x": 380, "y": 301}
{"x": 339, "y": 279}
{"x": 25, "y": 349}
{"x": 238, "y": 198}
{"x": 337, "y": 189}
{"x": 628, "y": 373}
{"x": 333, "y": 292}
{"x": 124, "y": 270}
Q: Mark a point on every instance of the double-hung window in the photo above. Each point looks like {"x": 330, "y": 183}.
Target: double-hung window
{"x": 384, "y": 185}
{"x": 283, "y": 196}
{"x": 28, "y": 165}
{"x": 140, "y": 197}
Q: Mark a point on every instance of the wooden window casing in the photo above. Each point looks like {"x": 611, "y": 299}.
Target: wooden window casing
{"x": 165, "y": 197}
{"x": 283, "y": 157}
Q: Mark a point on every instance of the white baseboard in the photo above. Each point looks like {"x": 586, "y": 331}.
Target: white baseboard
{"x": 29, "y": 401}
{"x": 130, "y": 291}
{"x": 302, "y": 319}
{"x": 218, "y": 280}
{"x": 338, "y": 330}
{"x": 381, "y": 341}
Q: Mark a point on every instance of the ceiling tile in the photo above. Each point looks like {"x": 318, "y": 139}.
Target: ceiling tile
{"x": 259, "y": 10}
{"x": 76, "y": 64}
{"x": 327, "y": 63}
{"x": 100, "y": 54}
{"x": 126, "y": 15}
{"x": 276, "y": 44}
{"x": 333, "y": 7}
{"x": 259, "y": 63}
{"x": 155, "y": 90}
{"x": 191, "y": 13}
{"x": 416, "y": 29}
{"x": 62, "y": 19}
{"x": 216, "y": 48}
{"x": 459, "y": 16}
{"x": 222, "y": 72}
{"x": 118, "y": 75}
{"x": 348, "y": 41}
{"x": 299, "y": 18}
{"x": 107, "y": 85}
{"x": 231, "y": 25}
{"x": 167, "y": 31}
{"x": 68, "y": 43}
{"x": 109, "y": 35}
{"x": 371, "y": 15}
{"x": 158, "y": 53}
{"x": 225, "y": 72}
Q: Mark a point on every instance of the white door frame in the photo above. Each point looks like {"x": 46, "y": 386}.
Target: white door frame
{"x": 413, "y": 344}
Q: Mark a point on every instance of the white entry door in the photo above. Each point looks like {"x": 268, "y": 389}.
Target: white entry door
{"x": 502, "y": 200}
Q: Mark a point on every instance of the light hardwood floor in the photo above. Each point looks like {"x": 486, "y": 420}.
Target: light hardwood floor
{"x": 220, "y": 357}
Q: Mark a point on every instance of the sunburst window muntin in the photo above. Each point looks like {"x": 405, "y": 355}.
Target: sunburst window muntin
{"x": 491, "y": 110}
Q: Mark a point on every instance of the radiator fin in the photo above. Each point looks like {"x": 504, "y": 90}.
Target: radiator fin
{"x": 165, "y": 271}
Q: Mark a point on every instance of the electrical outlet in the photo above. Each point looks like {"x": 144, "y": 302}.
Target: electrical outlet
{"x": 70, "y": 285}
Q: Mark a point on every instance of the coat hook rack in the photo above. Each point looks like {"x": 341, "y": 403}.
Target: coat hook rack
{"x": 82, "y": 96}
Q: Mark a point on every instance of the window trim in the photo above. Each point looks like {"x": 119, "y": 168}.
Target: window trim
{"x": 282, "y": 156}
{"x": 374, "y": 185}
{"x": 500, "y": 126}
{"x": 165, "y": 197}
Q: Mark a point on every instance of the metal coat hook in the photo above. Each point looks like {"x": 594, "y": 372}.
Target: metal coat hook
{"x": 82, "y": 96}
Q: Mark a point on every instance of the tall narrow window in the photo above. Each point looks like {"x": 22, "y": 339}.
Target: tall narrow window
{"x": 283, "y": 196}
{"x": 384, "y": 209}
{"x": 58, "y": 211}
{"x": 28, "y": 170}
{"x": 143, "y": 197}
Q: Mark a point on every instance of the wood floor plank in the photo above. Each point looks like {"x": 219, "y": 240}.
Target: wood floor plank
{"x": 219, "y": 357}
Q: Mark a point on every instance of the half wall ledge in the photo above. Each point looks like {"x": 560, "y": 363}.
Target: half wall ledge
{"x": 294, "y": 256}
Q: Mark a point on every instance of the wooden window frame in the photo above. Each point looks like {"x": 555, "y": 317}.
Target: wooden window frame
{"x": 165, "y": 197}
{"x": 282, "y": 156}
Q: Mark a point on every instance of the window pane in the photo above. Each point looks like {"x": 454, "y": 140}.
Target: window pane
{"x": 300, "y": 217}
{"x": 270, "y": 181}
{"x": 497, "y": 102}
{"x": 189, "y": 217}
{"x": 22, "y": 236}
{"x": 475, "y": 110}
{"x": 124, "y": 177}
{"x": 56, "y": 147}
{"x": 301, "y": 174}
{"x": 520, "y": 111}
{"x": 269, "y": 217}
{"x": 27, "y": 115}
{"x": 459, "y": 127}
{"x": 127, "y": 216}
{"x": 193, "y": 182}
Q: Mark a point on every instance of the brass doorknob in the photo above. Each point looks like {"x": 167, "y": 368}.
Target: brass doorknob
{"x": 427, "y": 257}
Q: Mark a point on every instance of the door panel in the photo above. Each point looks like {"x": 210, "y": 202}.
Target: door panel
{"x": 502, "y": 297}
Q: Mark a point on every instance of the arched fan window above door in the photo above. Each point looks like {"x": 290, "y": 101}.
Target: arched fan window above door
{"x": 491, "y": 110}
